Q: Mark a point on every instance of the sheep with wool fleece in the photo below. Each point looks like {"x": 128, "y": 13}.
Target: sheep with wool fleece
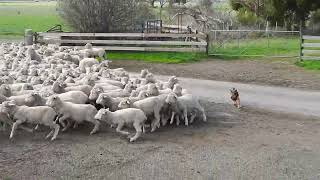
{"x": 43, "y": 115}
{"x": 125, "y": 117}
{"x": 76, "y": 112}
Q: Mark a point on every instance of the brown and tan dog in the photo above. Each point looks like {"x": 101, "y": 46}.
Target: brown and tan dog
{"x": 235, "y": 97}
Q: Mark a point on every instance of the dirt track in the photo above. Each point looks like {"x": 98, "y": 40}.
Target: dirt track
{"x": 246, "y": 144}
{"x": 264, "y": 72}
{"x": 233, "y": 144}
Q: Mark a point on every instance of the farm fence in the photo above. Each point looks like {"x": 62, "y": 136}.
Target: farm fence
{"x": 310, "y": 47}
{"x": 130, "y": 41}
{"x": 254, "y": 43}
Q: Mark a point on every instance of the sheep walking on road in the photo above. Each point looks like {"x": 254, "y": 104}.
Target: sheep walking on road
{"x": 34, "y": 115}
{"x": 75, "y": 112}
{"x": 125, "y": 117}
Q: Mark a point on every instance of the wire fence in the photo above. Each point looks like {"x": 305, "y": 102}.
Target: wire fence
{"x": 254, "y": 43}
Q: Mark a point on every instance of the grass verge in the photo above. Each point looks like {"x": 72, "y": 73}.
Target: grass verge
{"x": 157, "y": 57}
{"x": 253, "y": 48}
{"x": 309, "y": 65}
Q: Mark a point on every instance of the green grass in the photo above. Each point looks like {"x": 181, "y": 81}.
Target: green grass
{"x": 15, "y": 17}
{"x": 309, "y": 65}
{"x": 257, "y": 47}
{"x": 157, "y": 57}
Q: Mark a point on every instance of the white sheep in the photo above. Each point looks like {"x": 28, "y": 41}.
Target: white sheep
{"x": 125, "y": 117}
{"x": 75, "y": 112}
{"x": 150, "y": 106}
{"x": 86, "y": 64}
{"x": 59, "y": 88}
{"x": 109, "y": 102}
{"x": 34, "y": 115}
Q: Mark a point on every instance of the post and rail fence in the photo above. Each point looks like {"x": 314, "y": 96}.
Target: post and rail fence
{"x": 309, "y": 47}
{"x": 166, "y": 42}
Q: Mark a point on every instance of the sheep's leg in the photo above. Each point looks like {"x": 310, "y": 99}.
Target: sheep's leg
{"x": 204, "y": 117}
{"x": 177, "y": 120}
{"x": 193, "y": 116}
{"x": 172, "y": 117}
{"x": 14, "y": 127}
{"x": 155, "y": 122}
{"x": 120, "y": 131}
{"x": 37, "y": 127}
{"x": 50, "y": 134}
{"x": 75, "y": 125}
{"x": 56, "y": 131}
{"x": 138, "y": 127}
{"x": 185, "y": 114}
{"x": 164, "y": 120}
{"x": 61, "y": 121}
{"x": 96, "y": 126}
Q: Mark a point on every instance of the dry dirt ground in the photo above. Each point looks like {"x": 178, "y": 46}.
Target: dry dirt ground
{"x": 233, "y": 144}
{"x": 266, "y": 72}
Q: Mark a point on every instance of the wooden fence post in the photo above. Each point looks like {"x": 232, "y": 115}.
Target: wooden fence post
{"x": 207, "y": 47}
{"x": 301, "y": 48}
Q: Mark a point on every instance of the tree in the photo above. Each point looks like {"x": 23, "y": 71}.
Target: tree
{"x": 287, "y": 12}
{"x": 104, "y": 15}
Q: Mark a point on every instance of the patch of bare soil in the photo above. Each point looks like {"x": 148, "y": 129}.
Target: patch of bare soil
{"x": 265, "y": 72}
{"x": 233, "y": 144}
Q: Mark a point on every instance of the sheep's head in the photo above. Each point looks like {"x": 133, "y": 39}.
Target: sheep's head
{"x": 27, "y": 87}
{"x": 103, "y": 99}
{"x": 177, "y": 89}
{"x": 144, "y": 73}
{"x": 69, "y": 80}
{"x": 5, "y": 90}
{"x": 153, "y": 90}
{"x": 150, "y": 78}
{"x": 33, "y": 99}
{"x": 172, "y": 81}
{"x": 48, "y": 82}
{"x": 36, "y": 80}
{"x": 124, "y": 104}
{"x": 58, "y": 87}
{"x": 95, "y": 92}
{"x": 10, "y": 105}
{"x": 124, "y": 80}
{"x": 88, "y": 46}
{"x": 134, "y": 93}
{"x": 143, "y": 94}
{"x": 102, "y": 113}
{"x": 171, "y": 98}
{"x": 128, "y": 87}
{"x": 54, "y": 101}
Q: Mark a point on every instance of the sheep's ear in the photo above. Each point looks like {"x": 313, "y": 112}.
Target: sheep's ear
{"x": 7, "y": 88}
{"x": 128, "y": 102}
{"x": 147, "y": 94}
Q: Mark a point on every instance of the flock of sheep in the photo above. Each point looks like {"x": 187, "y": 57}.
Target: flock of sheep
{"x": 57, "y": 87}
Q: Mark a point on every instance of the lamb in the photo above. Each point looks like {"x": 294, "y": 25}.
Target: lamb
{"x": 6, "y": 120}
{"x": 178, "y": 109}
{"x": 21, "y": 86}
{"x": 171, "y": 82}
{"x": 109, "y": 102}
{"x": 5, "y": 90}
{"x": 144, "y": 73}
{"x": 125, "y": 117}
{"x": 93, "y": 52}
{"x": 76, "y": 97}
{"x": 86, "y": 64}
{"x": 75, "y": 112}
{"x": 150, "y": 106}
{"x": 35, "y": 115}
{"x": 33, "y": 55}
{"x": 123, "y": 93}
{"x": 193, "y": 106}
{"x": 59, "y": 88}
